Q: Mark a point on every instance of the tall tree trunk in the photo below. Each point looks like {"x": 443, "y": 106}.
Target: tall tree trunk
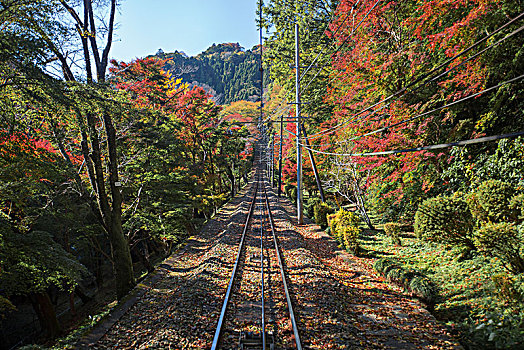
{"x": 72, "y": 306}
{"x": 365, "y": 215}
{"x": 212, "y": 171}
{"x": 111, "y": 215}
{"x": 361, "y": 204}
{"x": 99, "y": 272}
{"x": 46, "y": 314}
{"x": 110, "y": 206}
{"x": 123, "y": 263}
{"x": 231, "y": 178}
{"x": 220, "y": 183}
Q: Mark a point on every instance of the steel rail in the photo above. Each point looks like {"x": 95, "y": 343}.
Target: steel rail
{"x": 218, "y": 330}
{"x": 263, "y": 306}
{"x": 283, "y": 275}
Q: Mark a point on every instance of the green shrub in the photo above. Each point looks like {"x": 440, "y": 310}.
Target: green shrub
{"x": 350, "y": 234}
{"x": 423, "y": 288}
{"x": 497, "y": 331}
{"x": 411, "y": 280}
{"x": 502, "y": 240}
{"x": 516, "y": 205}
{"x": 382, "y": 264}
{"x": 491, "y": 202}
{"x": 333, "y": 222}
{"x": 5, "y": 307}
{"x": 344, "y": 227}
{"x": 321, "y": 211}
{"x": 287, "y": 189}
{"x": 393, "y": 274}
{"x": 293, "y": 194}
{"x": 309, "y": 206}
{"x": 406, "y": 276}
{"x": 518, "y": 283}
{"x": 393, "y": 230}
{"x": 446, "y": 220}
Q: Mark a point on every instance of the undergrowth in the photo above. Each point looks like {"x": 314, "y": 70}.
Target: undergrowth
{"x": 478, "y": 299}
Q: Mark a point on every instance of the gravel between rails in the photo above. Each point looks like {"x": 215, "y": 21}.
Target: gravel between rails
{"x": 340, "y": 303}
{"x": 244, "y": 312}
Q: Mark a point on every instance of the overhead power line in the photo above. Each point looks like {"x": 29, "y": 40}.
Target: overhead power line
{"x": 436, "y": 109}
{"x": 354, "y": 119}
{"x": 343, "y": 43}
{"x": 451, "y": 69}
{"x": 424, "y": 77}
{"x": 425, "y": 148}
{"x": 332, "y": 43}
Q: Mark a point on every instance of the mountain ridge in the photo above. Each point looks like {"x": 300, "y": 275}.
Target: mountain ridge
{"x": 227, "y": 71}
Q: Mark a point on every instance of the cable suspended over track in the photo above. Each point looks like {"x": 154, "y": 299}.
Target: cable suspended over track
{"x": 424, "y": 148}
{"x": 433, "y": 110}
{"x": 342, "y": 45}
{"x": 334, "y": 33}
{"x": 433, "y": 79}
{"x": 426, "y": 77}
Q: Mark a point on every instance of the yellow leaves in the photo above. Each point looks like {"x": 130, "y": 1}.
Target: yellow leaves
{"x": 172, "y": 85}
{"x": 485, "y": 121}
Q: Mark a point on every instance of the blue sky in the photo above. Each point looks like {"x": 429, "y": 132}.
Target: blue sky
{"x": 191, "y": 26}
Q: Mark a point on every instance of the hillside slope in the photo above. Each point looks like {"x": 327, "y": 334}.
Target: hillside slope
{"x": 227, "y": 71}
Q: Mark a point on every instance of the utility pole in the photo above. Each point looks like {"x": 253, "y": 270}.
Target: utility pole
{"x": 300, "y": 213}
{"x": 280, "y": 156}
{"x": 267, "y": 143}
{"x": 272, "y": 159}
{"x": 261, "y": 69}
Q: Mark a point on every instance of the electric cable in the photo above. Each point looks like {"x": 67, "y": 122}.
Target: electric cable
{"x": 334, "y": 33}
{"x": 341, "y": 45}
{"x": 424, "y": 148}
{"x": 433, "y": 79}
{"x": 424, "y": 77}
{"x": 436, "y": 109}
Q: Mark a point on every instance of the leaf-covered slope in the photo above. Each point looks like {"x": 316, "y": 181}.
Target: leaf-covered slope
{"x": 227, "y": 71}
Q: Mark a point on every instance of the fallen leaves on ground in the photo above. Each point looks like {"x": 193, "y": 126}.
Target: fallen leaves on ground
{"x": 339, "y": 302}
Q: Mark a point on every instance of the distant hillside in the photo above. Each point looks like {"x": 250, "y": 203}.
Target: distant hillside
{"x": 227, "y": 71}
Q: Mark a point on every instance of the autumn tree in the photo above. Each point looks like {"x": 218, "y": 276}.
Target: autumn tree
{"x": 107, "y": 187}
{"x": 88, "y": 103}
{"x": 173, "y": 144}
{"x": 379, "y": 80}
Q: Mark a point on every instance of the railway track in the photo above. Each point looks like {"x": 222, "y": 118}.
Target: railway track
{"x": 257, "y": 310}
{"x": 339, "y": 305}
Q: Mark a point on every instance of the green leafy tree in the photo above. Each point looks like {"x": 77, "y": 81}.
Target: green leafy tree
{"x": 227, "y": 68}
{"x": 31, "y": 262}
{"x": 491, "y": 202}
{"x": 446, "y": 220}
{"x": 502, "y": 240}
